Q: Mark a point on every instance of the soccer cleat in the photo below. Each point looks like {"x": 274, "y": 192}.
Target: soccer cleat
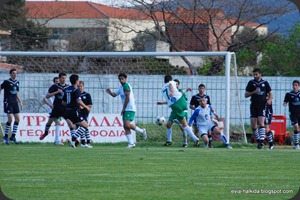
{"x": 6, "y": 140}
{"x": 228, "y": 147}
{"x": 296, "y": 146}
{"x": 43, "y": 136}
{"x": 209, "y": 145}
{"x": 14, "y": 140}
{"x": 144, "y": 134}
{"x": 260, "y": 145}
{"x": 168, "y": 143}
{"x": 76, "y": 143}
{"x": 73, "y": 144}
{"x": 131, "y": 146}
{"x": 184, "y": 145}
{"x": 89, "y": 146}
{"x": 196, "y": 143}
{"x": 84, "y": 146}
{"x": 271, "y": 147}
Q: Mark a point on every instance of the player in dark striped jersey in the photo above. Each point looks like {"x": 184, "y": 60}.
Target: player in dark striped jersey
{"x": 292, "y": 98}
{"x": 258, "y": 89}
{"x": 87, "y": 100}
{"x": 12, "y": 101}
{"x": 73, "y": 102}
{"x": 56, "y": 90}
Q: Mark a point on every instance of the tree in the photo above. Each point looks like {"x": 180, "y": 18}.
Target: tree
{"x": 23, "y": 34}
{"x": 281, "y": 55}
{"x": 210, "y": 24}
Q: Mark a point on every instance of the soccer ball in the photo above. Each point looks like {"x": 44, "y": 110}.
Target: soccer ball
{"x": 160, "y": 120}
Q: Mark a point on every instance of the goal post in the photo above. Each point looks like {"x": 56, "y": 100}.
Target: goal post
{"x": 230, "y": 60}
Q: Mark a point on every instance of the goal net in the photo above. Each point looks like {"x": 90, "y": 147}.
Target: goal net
{"x": 145, "y": 70}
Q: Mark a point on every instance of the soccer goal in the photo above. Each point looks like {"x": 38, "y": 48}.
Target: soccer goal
{"x": 216, "y": 70}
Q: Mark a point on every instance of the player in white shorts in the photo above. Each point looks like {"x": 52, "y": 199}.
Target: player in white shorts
{"x": 205, "y": 123}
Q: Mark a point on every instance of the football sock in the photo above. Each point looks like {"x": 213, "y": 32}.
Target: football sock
{"x": 15, "y": 128}
{"x": 224, "y": 139}
{"x": 7, "y": 128}
{"x": 255, "y": 132}
{"x": 47, "y": 129}
{"x": 262, "y": 132}
{"x": 296, "y": 137}
{"x": 56, "y": 133}
{"x": 184, "y": 137}
{"x": 189, "y": 131}
{"x": 87, "y": 136}
{"x": 169, "y": 134}
{"x": 138, "y": 129}
{"x": 270, "y": 137}
{"x": 129, "y": 138}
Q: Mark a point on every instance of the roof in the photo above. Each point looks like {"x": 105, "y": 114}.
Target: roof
{"x": 81, "y": 9}
{"x": 7, "y": 67}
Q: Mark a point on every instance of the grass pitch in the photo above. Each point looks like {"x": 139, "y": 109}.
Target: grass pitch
{"x": 150, "y": 171}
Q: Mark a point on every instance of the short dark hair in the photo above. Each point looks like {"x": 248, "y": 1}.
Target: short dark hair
{"x": 168, "y": 78}
{"x": 296, "y": 81}
{"x": 122, "y": 75}
{"x": 257, "y": 70}
{"x": 81, "y": 82}
{"x": 176, "y": 80}
{"x": 54, "y": 79}
{"x": 74, "y": 78}
{"x": 61, "y": 74}
{"x": 201, "y": 85}
{"x": 12, "y": 70}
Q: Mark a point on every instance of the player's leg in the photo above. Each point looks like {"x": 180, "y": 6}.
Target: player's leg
{"x": 81, "y": 131}
{"x": 270, "y": 136}
{"x": 47, "y": 127}
{"x": 137, "y": 129}
{"x": 216, "y": 130}
{"x": 209, "y": 135}
{"x": 189, "y": 131}
{"x": 57, "y": 127}
{"x": 204, "y": 138}
{"x": 127, "y": 118}
{"x": 15, "y": 128}
{"x": 169, "y": 124}
{"x": 7, "y": 128}
{"x": 261, "y": 131}
{"x": 295, "y": 122}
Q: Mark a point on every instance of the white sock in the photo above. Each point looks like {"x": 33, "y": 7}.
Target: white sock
{"x": 189, "y": 131}
{"x": 224, "y": 139}
{"x": 129, "y": 138}
{"x": 169, "y": 134}
{"x": 138, "y": 129}
{"x": 56, "y": 133}
{"x": 184, "y": 137}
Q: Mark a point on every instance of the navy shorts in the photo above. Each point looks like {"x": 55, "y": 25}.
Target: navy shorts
{"x": 11, "y": 108}
{"x": 257, "y": 111}
{"x": 73, "y": 115}
{"x": 57, "y": 112}
{"x": 295, "y": 118}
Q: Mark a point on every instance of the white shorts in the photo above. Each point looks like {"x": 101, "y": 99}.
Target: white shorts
{"x": 204, "y": 129}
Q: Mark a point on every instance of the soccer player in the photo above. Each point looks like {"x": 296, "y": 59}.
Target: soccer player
{"x": 293, "y": 99}
{"x": 56, "y": 90}
{"x": 178, "y": 105}
{"x": 203, "y": 116}
{"x": 268, "y": 120}
{"x": 87, "y": 100}
{"x": 258, "y": 89}
{"x": 170, "y": 123}
{"x": 12, "y": 105}
{"x": 129, "y": 108}
{"x": 49, "y": 103}
{"x": 194, "y": 103}
{"x": 72, "y": 115}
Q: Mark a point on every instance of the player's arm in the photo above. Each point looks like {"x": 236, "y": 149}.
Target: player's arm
{"x": 192, "y": 104}
{"x": 108, "y": 91}
{"x": 127, "y": 98}
{"x": 162, "y": 102}
{"x": 193, "y": 117}
{"x": 49, "y": 95}
{"x": 171, "y": 90}
{"x": 19, "y": 100}
{"x": 249, "y": 94}
{"x": 47, "y": 102}
{"x": 286, "y": 100}
{"x": 82, "y": 105}
{"x": 269, "y": 101}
